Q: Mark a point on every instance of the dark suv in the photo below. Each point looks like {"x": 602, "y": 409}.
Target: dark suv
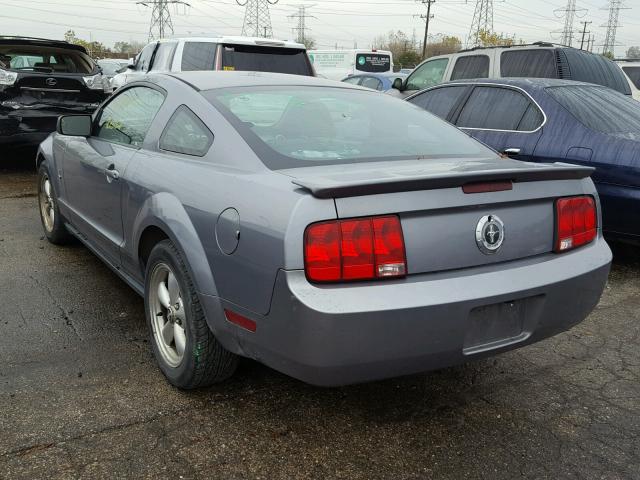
{"x": 41, "y": 79}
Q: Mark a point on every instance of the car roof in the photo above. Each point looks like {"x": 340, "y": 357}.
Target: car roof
{"x": 211, "y": 80}
{"x": 43, "y": 42}
{"x": 524, "y": 83}
{"x": 239, "y": 40}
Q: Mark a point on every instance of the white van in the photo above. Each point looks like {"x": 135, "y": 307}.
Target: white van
{"x": 337, "y": 64}
{"x": 631, "y": 69}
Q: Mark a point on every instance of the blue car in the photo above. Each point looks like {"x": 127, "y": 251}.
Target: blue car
{"x": 545, "y": 120}
{"x": 375, "y": 81}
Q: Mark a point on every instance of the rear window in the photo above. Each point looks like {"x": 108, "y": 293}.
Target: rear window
{"x": 471, "y": 66}
{"x": 35, "y": 58}
{"x": 634, "y": 75}
{"x": 373, "y": 62}
{"x": 539, "y": 63}
{"x": 590, "y": 68}
{"x": 198, "y": 56}
{"x": 293, "y": 126}
{"x": 265, "y": 59}
{"x": 600, "y": 109}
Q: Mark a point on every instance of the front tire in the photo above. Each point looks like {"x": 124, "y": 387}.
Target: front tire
{"x": 185, "y": 348}
{"x": 52, "y": 220}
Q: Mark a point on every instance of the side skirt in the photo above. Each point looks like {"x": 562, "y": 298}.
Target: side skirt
{"x": 132, "y": 282}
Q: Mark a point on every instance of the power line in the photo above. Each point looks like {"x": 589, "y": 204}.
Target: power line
{"x": 160, "y": 17}
{"x": 301, "y": 28}
{"x": 482, "y": 22}
{"x": 569, "y": 14}
{"x": 257, "y": 19}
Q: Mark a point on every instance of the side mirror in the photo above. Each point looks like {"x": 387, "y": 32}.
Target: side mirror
{"x": 398, "y": 84}
{"x": 74, "y": 125}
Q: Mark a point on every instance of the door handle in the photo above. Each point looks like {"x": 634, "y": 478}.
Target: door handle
{"x": 112, "y": 173}
{"x": 511, "y": 152}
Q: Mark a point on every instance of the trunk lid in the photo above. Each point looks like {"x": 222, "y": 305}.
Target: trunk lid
{"x": 439, "y": 220}
{"x": 54, "y": 90}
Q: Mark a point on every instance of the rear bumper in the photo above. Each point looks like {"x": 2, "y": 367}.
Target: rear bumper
{"x": 347, "y": 334}
{"x": 29, "y": 127}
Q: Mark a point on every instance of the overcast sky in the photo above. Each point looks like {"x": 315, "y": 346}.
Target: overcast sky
{"x": 341, "y": 22}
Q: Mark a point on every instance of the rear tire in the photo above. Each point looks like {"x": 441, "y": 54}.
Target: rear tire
{"x": 186, "y": 350}
{"x": 52, "y": 221}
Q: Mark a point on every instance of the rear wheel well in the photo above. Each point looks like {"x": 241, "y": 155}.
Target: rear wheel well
{"x": 39, "y": 160}
{"x": 150, "y": 237}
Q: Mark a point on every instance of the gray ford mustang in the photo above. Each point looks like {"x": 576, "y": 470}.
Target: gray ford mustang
{"x": 330, "y": 232}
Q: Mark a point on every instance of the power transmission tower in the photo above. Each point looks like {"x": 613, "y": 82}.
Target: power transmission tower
{"x": 257, "y": 19}
{"x": 426, "y": 18}
{"x": 584, "y": 32}
{"x": 482, "y": 22}
{"x": 301, "y": 29}
{"x": 161, "y": 23}
{"x": 569, "y": 14}
{"x": 612, "y": 26}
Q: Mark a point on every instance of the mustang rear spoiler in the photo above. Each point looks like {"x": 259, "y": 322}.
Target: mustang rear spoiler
{"x": 325, "y": 187}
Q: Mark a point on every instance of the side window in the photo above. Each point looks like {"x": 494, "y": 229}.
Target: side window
{"x": 471, "y": 66}
{"x": 145, "y": 58}
{"x": 199, "y": 56}
{"x": 428, "y": 75}
{"x": 127, "y": 118}
{"x": 497, "y": 108}
{"x": 634, "y": 75}
{"x": 163, "y": 57}
{"x": 185, "y": 133}
{"x": 539, "y": 63}
{"x": 440, "y": 101}
{"x": 352, "y": 80}
{"x": 586, "y": 67}
{"x": 372, "y": 83}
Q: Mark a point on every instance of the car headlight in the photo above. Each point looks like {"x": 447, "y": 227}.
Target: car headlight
{"x": 98, "y": 82}
{"x": 7, "y": 77}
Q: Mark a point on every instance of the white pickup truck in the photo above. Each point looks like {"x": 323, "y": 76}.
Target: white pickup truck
{"x": 218, "y": 53}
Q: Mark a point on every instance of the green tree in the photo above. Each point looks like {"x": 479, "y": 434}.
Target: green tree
{"x": 633, "y": 52}
{"x": 608, "y": 54}
{"x": 493, "y": 39}
{"x": 403, "y": 49}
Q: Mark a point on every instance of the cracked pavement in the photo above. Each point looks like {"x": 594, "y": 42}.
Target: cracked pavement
{"x": 81, "y": 397}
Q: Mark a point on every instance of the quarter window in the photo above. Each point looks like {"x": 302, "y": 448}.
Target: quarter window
{"x": 440, "y": 101}
{"x": 372, "y": 83}
{"x": 428, "y": 75}
{"x": 144, "y": 59}
{"x": 539, "y": 63}
{"x": 634, "y": 74}
{"x": 198, "y": 56}
{"x": 498, "y": 108}
{"x": 126, "y": 119}
{"x": 471, "y": 66}
{"x": 186, "y": 133}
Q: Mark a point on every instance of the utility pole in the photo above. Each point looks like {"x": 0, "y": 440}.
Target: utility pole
{"x": 584, "y": 32}
{"x": 161, "y": 23}
{"x": 257, "y": 19}
{"x": 612, "y": 26}
{"x": 426, "y": 17}
{"x": 482, "y": 22}
{"x": 301, "y": 29}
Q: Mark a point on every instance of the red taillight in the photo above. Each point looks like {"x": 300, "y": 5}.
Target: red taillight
{"x": 355, "y": 249}
{"x": 576, "y": 222}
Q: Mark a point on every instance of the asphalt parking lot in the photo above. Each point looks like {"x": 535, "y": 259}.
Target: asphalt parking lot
{"x": 80, "y": 394}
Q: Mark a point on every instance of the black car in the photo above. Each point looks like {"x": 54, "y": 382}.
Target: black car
{"x": 41, "y": 79}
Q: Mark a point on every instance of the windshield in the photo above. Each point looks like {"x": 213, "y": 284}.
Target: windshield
{"x": 600, "y": 109}
{"x": 265, "y": 59}
{"x": 110, "y": 68}
{"x": 298, "y": 126}
{"x": 36, "y": 58}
